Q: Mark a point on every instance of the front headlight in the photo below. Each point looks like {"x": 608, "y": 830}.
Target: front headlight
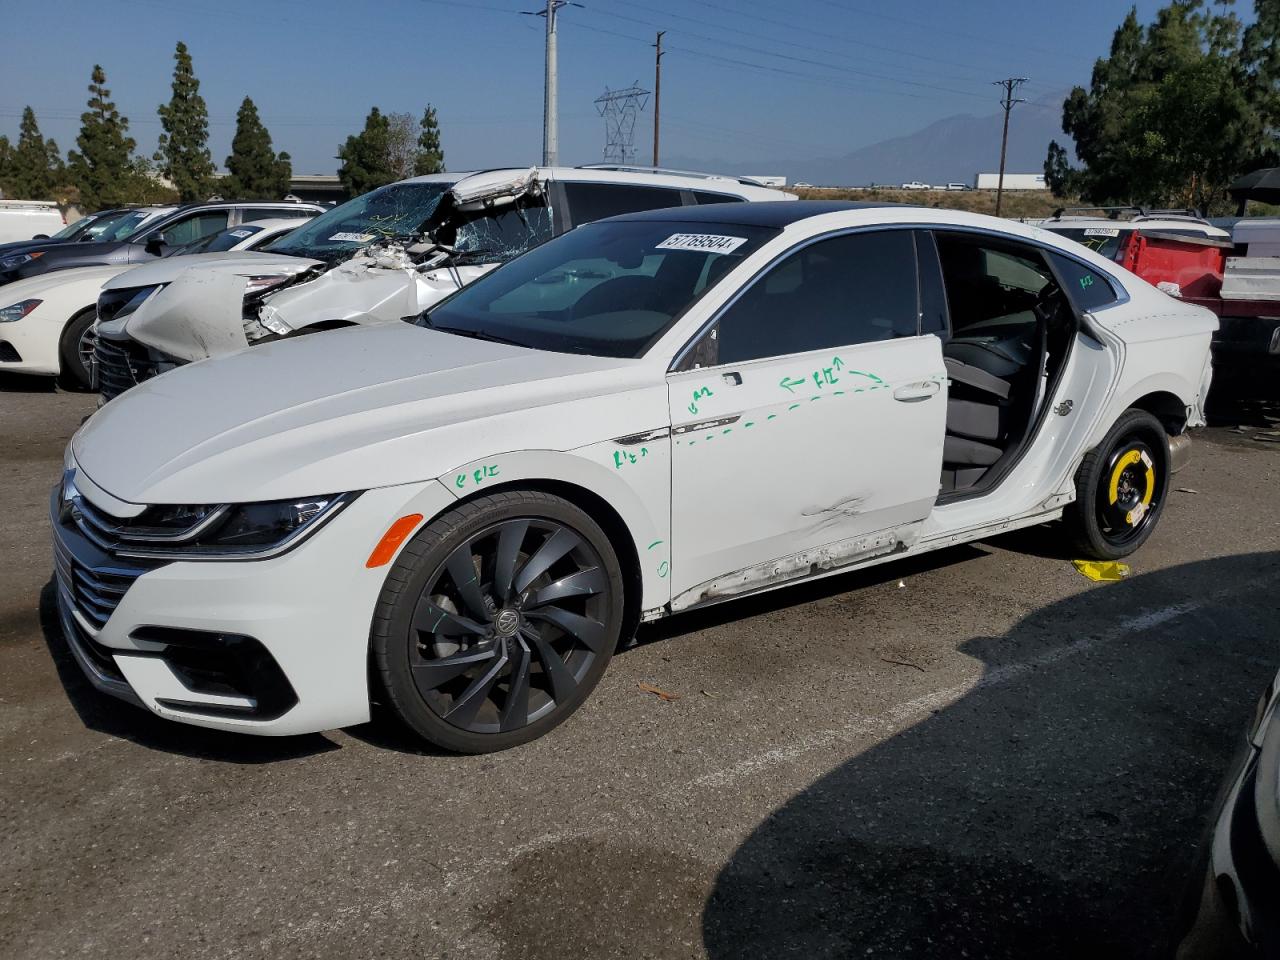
{"x": 261, "y": 284}
{"x": 14, "y": 262}
{"x": 237, "y": 531}
{"x": 16, "y": 311}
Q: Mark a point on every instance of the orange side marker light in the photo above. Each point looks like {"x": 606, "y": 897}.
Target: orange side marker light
{"x": 397, "y": 534}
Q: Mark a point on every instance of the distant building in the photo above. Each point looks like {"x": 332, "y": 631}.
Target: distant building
{"x": 317, "y": 188}
{"x": 1012, "y": 181}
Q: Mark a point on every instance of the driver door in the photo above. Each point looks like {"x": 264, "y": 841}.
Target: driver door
{"x": 807, "y": 422}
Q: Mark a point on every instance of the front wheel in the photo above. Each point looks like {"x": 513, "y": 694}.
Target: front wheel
{"x": 497, "y": 621}
{"x": 1121, "y": 488}
{"x": 75, "y": 350}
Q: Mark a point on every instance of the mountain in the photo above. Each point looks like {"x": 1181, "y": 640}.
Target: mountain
{"x": 953, "y": 149}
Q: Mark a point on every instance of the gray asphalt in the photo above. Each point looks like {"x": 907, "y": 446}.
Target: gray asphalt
{"x": 980, "y": 753}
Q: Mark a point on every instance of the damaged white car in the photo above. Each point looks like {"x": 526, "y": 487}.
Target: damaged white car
{"x": 463, "y": 518}
{"x": 386, "y": 255}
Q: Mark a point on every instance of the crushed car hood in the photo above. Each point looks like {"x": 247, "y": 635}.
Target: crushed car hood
{"x": 241, "y": 262}
{"x": 347, "y": 410}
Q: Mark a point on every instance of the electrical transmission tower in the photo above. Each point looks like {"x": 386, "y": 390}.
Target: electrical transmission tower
{"x": 620, "y": 109}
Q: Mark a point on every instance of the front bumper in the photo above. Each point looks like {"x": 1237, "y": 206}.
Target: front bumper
{"x": 275, "y": 646}
{"x": 30, "y": 345}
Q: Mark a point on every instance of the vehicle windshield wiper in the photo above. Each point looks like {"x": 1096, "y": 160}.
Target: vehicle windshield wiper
{"x": 473, "y": 334}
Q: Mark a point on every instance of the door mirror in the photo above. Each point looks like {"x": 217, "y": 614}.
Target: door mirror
{"x": 156, "y": 244}
{"x": 40, "y": 236}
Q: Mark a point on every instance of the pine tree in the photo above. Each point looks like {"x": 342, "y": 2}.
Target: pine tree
{"x": 103, "y": 168}
{"x": 365, "y": 157}
{"x": 183, "y": 153}
{"x": 256, "y": 171}
{"x": 430, "y": 157}
{"x": 32, "y": 169}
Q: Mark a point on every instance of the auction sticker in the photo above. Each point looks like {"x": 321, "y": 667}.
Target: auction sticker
{"x": 353, "y": 237}
{"x": 1101, "y": 232}
{"x": 705, "y": 242}
{"x": 242, "y": 233}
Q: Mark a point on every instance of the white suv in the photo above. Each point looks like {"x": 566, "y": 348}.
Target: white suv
{"x": 387, "y": 255}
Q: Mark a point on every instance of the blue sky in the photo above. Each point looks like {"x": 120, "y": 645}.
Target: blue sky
{"x": 742, "y": 78}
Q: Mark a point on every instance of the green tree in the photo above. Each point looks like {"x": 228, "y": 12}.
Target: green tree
{"x": 256, "y": 171}
{"x": 1058, "y": 174}
{"x": 103, "y": 168}
{"x": 1177, "y": 111}
{"x": 430, "y": 158}
{"x": 366, "y": 161}
{"x": 32, "y": 169}
{"x": 183, "y": 152}
{"x": 6, "y": 155}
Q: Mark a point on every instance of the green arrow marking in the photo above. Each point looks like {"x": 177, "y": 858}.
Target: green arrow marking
{"x": 789, "y": 385}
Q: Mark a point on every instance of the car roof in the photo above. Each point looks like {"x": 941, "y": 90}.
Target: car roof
{"x": 759, "y": 214}
{"x": 677, "y": 179}
{"x": 1146, "y": 222}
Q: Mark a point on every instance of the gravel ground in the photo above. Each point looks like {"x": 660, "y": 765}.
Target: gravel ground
{"x": 977, "y": 753}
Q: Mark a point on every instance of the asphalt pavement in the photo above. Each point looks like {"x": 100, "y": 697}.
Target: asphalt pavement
{"x": 978, "y": 753}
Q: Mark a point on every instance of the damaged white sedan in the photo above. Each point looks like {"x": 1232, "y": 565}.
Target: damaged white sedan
{"x": 464, "y": 518}
{"x": 384, "y": 256}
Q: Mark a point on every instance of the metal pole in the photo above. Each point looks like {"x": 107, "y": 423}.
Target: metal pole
{"x": 657, "y": 94}
{"x": 1007, "y": 101}
{"x": 550, "y": 136}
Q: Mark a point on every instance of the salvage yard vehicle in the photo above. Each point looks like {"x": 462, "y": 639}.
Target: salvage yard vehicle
{"x": 94, "y": 226}
{"x": 46, "y": 321}
{"x": 154, "y": 239}
{"x": 384, "y": 256}
{"x": 25, "y": 219}
{"x": 464, "y": 517}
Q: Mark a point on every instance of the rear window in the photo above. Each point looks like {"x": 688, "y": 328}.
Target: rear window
{"x": 1105, "y": 241}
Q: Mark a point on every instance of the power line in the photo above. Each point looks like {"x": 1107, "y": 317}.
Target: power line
{"x": 1010, "y": 86}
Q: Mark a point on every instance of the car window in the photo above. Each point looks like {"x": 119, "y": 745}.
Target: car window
{"x": 993, "y": 285}
{"x": 125, "y": 227}
{"x": 704, "y": 197}
{"x": 217, "y": 242}
{"x": 933, "y": 297}
{"x": 606, "y": 289}
{"x": 1088, "y": 289}
{"x": 1105, "y": 241}
{"x": 497, "y": 235}
{"x": 856, "y": 288}
{"x": 250, "y": 214}
{"x": 595, "y": 201}
{"x": 182, "y": 232}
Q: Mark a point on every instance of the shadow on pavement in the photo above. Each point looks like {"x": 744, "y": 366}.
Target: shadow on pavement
{"x": 1052, "y": 811}
{"x": 105, "y": 714}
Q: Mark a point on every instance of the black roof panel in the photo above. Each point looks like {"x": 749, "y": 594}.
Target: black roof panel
{"x": 771, "y": 213}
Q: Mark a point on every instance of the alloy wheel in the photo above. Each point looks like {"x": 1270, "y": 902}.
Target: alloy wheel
{"x": 510, "y": 623}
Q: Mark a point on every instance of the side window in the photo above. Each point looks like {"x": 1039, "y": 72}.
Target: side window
{"x": 702, "y": 196}
{"x": 1088, "y": 289}
{"x": 497, "y": 235}
{"x": 251, "y": 214}
{"x": 992, "y": 284}
{"x": 595, "y": 201}
{"x": 856, "y": 288}
{"x": 194, "y": 227}
{"x": 933, "y": 296}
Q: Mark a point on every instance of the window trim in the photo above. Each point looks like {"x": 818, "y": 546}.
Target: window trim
{"x": 1045, "y": 249}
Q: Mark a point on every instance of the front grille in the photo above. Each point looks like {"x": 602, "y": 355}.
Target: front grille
{"x": 94, "y": 590}
{"x": 121, "y": 364}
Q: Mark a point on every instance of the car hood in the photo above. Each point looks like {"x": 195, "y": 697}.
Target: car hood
{"x": 346, "y": 410}
{"x": 91, "y": 277}
{"x": 243, "y": 262}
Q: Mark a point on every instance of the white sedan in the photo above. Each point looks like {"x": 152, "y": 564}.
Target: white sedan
{"x": 464, "y": 517}
{"x": 46, "y": 322}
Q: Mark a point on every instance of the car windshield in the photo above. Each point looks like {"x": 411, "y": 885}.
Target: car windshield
{"x": 398, "y": 210}
{"x": 125, "y": 227}
{"x": 1106, "y": 241}
{"x": 73, "y": 230}
{"x": 608, "y": 289}
{"x": 217, "y": 242}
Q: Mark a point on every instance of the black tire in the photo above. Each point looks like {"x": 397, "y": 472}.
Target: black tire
{"x": 529, "y": 593}
{"x": 76, "y": 334}
{"x": 1121, "y": 488}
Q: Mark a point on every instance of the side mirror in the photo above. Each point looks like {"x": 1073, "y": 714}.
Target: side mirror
{"x": 40, "y": 236}
{"x": 156, "y": 244}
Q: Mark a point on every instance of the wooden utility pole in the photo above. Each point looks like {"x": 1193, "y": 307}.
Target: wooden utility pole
{"x": 1007, "y": 101}
{"x": 657, "y": 93}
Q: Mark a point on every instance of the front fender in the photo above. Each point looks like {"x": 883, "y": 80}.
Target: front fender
{"x": 633, "y": 478}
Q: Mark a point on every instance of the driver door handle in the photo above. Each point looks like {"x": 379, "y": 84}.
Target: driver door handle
{"x": 915, "y": 392}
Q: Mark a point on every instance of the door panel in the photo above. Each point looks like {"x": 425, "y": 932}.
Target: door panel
{"x": 777, "y": 456}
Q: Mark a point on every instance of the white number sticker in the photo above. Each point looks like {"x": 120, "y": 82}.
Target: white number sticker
{"x": 353, "y": 237}
{"x": 1102, "y": 232}
{"x": 706, "y": 242}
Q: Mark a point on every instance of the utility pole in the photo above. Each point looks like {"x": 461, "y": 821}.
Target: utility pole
{"x": 657, "y": 93}
{"x": 550, "y": 108}
{"x": 1009, "y": 85}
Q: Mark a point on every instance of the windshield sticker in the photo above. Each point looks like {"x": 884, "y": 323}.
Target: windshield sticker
{"x": 353, "y": 237}
{"x": 242, "y": 233}
{"x": 706, "y": 242}
{"x": 1101, "y": 232}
